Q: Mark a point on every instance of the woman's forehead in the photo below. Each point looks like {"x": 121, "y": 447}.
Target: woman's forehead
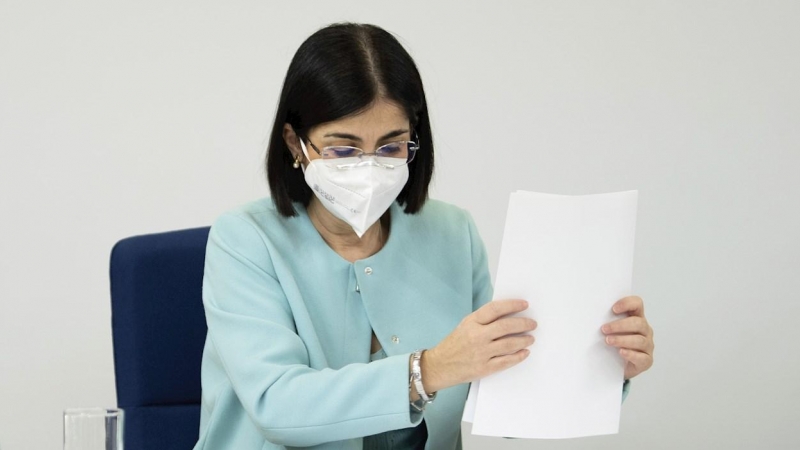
{"x": 378, "y": 119}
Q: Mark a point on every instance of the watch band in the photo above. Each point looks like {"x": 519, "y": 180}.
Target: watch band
{"x": 416, "y": 380}
{"x": 418, "y": 404}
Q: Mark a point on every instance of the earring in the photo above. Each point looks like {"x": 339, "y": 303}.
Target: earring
{"x": 296, "y": 163}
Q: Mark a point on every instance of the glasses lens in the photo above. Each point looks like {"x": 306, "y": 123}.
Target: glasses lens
{"x": 394, "y": 150}
{"x": 340, "y": 152}
{"x": 397, "y": 153}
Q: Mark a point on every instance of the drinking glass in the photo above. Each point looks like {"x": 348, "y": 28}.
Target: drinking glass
{"x": 93, "y": 429}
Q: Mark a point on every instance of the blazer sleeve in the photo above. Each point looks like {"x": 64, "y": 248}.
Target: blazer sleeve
{"x": 481, "y": 279}
{"x": 251, "y": 327}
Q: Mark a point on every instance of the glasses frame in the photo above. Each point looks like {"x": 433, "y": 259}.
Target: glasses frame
{"x": 413, "y": 146}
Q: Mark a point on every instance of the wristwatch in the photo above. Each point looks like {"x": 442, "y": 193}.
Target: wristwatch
{"x": 415, "y": 380}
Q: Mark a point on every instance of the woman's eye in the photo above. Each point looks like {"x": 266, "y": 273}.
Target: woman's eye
{"x": 391, "y": 149}
{"x": 342, "y": 152}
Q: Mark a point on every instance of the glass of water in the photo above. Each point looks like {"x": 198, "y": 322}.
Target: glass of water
{"x": 93, "y": 429}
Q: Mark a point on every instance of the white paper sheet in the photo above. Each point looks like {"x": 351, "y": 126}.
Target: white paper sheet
{"x": 571, "y": 258}
{"x": 472, "y": 399}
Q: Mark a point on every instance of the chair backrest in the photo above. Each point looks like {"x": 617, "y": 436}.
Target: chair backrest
{"x": 159, "y": 330}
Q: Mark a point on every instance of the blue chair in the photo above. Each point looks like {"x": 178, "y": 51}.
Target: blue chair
{"x": 159, "y": 330}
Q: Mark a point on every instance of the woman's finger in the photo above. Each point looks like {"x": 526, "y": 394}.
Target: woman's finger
{"x": 632, "y": 324}
{"x": 633, "y": 305}
{"x": 632, "y": 342}
{"x": 510, "y": 344}
{"x": 495, "y": 309}
{"x": 510, "y": 325}
{"x": 504, "y": 362}
{"x": 642, "y": 361}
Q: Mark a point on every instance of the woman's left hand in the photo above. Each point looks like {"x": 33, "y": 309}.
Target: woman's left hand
{"x": 632, "y": 335}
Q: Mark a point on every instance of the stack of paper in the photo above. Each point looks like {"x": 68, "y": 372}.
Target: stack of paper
{"x": 571, "y": 258}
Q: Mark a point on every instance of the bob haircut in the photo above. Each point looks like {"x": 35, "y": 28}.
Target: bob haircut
{"x": 339, "y": 71}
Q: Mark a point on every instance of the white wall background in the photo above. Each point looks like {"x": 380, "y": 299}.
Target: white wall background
{"x": 122, "y": 118}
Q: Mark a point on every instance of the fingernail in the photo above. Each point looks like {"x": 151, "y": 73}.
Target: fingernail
{"x": 609, "y": 340}
{"x": 606, "y": 329}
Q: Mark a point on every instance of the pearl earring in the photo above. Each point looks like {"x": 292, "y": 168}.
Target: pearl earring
{"x": 296, "y": 163}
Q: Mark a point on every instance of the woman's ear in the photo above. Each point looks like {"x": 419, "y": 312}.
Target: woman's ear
{"x": 292, "y": 141}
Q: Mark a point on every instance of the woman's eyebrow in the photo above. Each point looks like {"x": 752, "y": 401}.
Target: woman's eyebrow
{"x": 394, "y": 133}
{"x": 355, "y": 138}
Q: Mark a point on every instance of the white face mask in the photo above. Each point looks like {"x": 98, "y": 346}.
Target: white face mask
{"x": 358, "y": 195}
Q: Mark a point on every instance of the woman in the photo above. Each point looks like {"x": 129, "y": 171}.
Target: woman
{"x": 322, "y": 300}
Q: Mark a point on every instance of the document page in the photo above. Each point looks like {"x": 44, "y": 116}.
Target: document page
{"x": 571, "y": 258}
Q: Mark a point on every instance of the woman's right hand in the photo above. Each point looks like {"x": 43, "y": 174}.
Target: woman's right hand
{"x": 485, "y": 342}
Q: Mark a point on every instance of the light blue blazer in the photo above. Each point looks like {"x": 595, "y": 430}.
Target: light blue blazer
{"x": 290, "y": 322}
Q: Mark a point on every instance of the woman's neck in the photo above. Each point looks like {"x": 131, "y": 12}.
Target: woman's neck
{"x": 339, "y": 235}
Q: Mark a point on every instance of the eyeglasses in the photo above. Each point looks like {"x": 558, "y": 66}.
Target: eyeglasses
{"x": 391, "y": 155}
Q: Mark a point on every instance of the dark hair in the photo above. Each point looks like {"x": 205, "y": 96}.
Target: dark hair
{"x": 338, "y": 71}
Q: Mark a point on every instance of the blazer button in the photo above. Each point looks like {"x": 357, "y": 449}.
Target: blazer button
{"x": 395, "y": 339}
{"x": 368, "y": 271}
